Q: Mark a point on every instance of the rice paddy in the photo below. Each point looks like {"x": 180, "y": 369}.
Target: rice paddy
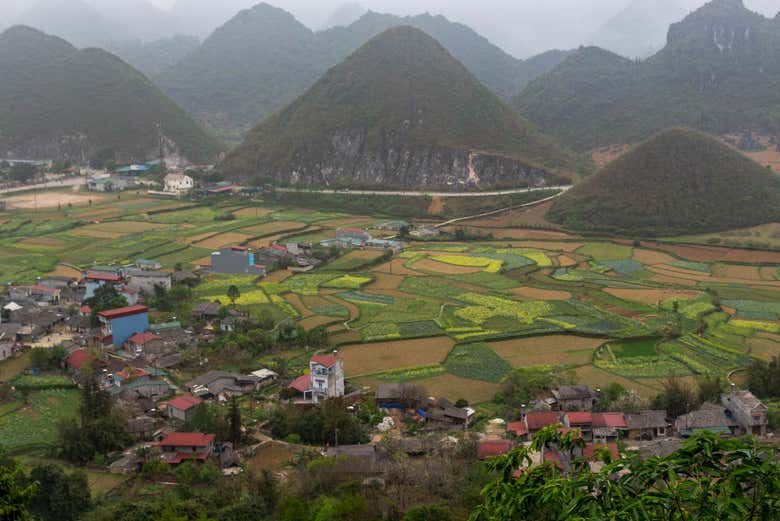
{"x": 452, "y": 316}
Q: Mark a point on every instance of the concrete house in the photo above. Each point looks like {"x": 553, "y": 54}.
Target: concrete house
{"x": 145, "y": 264}
{"x": 140, "y": 343}
{"x": 145, "y": 281}
{"x": 182, "y": 446}
{"x": 118, "y": 325}
{"x": 235, "y": 260}
{"x": 325, "y": 379}
{"x": 353, "y": 233}
{"x": 182, "y": 408}
{"x": 574, "y": 398}
{"x": 95, "y": 279}
{"x": 6, "y": 350}
{"x": 36, "y": 293}
{"x": 647, "y": 425}
{"x": 179, "y": 184}
{"x": 747, "y": 411}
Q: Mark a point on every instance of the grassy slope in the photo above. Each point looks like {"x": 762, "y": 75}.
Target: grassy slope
{"x": 679, "y": 181}
{"x": 55, "y": 90}
{"x": 401, "y": 81}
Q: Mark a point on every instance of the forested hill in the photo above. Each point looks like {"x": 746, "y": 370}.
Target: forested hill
{"x": 60, "y": 102}
{"x": 718, "y": 73}
{"x": 264, "y": 58}
{"x": 400, "y": 112}
{"x": 679, "y": 181}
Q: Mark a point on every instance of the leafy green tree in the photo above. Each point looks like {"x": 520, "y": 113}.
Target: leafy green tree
{"x": 96, "y": 431}
{"x": 763, "y": 379}
{"x": 15, "y": 495}
{"x": 677, "y": 398}
{"x": 521, "y": 386}
{"x": 710, "y": 478}
{"x": 60, "y": 497}
{"x": 234, "y": 422}
{"x": 710, "y": 388}
{"x": 106, "y": 297}
{"x": 233, "y": 293}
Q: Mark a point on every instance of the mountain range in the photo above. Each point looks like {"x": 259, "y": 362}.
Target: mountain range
{"x": 718, "y": 73}
{"x": 60, "y": 102}
{"x": 400, "y": 112}
{"x": 263, "y": 58}
{"x": 679, "y": 181}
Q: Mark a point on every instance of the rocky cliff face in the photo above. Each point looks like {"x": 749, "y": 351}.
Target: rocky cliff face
{"x": 401, "y": 164}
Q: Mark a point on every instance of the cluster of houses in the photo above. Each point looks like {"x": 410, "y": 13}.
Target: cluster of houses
{"x": 570, "y": 407}
{"x": 358, "y": 238}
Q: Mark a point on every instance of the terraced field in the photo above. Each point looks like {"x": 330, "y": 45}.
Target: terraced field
{"x": 455, "y": 317}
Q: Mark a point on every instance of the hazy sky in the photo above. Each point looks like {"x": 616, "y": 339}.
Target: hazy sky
{"x": 521, "y": 27}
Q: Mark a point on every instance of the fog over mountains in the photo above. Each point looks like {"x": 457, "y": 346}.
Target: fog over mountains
{"x": 521, "y": 27}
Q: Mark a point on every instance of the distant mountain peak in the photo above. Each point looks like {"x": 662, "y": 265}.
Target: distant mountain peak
{"x": 400, "y": 111}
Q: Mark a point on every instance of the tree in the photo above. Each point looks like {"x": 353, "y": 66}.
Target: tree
{"x": 96, "y": 431}
{"x": 234, "y": 422}
{"x": 521, "y": 386}
{"x": 15, "y": 495}
{"x": 709, "y": 478}
{"x": 59, "y": 497}
{"x": 233, "y": 293}
{"x": 105, "y": 297}
{"x": 677, "y": 398}
{"x": 710, "y": 388}
{"x": 763, "y": 379}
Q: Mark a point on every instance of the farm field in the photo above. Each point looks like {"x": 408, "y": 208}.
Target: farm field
{"x": 453, "y": 316}
{"x": 35, "y": 424}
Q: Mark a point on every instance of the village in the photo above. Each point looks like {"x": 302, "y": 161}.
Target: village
{"x": 136, "y": 359}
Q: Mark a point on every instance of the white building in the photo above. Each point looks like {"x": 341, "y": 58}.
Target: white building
{"x": 178, "y": 183}
{"x": 325, "y": 379}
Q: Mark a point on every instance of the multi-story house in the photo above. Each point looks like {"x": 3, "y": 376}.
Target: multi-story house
{"x": 118, "y": 325}
{"x": 325, "y": 379}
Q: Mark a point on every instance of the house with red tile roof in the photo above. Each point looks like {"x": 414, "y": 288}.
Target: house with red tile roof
{"x": 182, "y": 408}
{"x": 324, "y": 380}
{"x": 518, "y": 429}
{"x": 80, "y": 359}
{"x": 492, "y": 448}
{"x": 177, "y": 447}
{"x": 139, "y": 342}
{"x": 579, "y": 420}
{"x": 538, "y": 420}
{"x": 609, "y": 425}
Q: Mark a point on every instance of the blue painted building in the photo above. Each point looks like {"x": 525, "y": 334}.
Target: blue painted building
{"x": 117, "y": 325}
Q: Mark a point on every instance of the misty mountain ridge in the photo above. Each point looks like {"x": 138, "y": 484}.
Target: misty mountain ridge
{"x": 263, "y": 58}
{"x": 60, "y": 102}
{"x": 400, "y": 112}
{"x": 717, "y": 73}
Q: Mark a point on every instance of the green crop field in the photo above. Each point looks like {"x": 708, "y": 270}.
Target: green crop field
{"x": 495, "y": 301}
{"x": 35, "y": 424}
